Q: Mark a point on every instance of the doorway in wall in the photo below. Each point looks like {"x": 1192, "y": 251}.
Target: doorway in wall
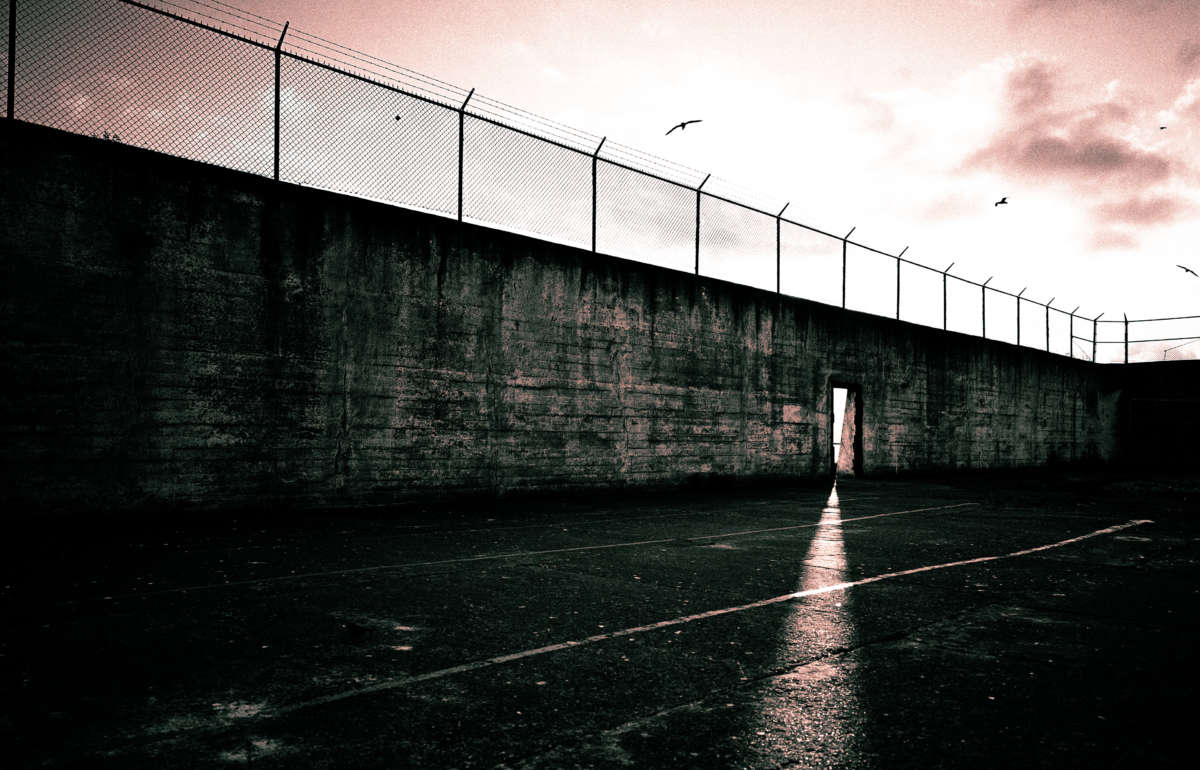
{"x": 846, "y": 435}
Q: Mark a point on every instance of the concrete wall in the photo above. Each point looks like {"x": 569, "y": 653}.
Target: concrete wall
{"x": 1160, "y": 415}
{"x": 180, "y": 333}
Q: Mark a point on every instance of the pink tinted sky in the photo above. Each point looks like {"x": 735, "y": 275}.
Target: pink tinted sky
{"x": 905, "y": 119}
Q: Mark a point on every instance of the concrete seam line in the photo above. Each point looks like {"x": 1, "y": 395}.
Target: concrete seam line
{"x": 513, "y": 555}
{"x": 393, "y": 684}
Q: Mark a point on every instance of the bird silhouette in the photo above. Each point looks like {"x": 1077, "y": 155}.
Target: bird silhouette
{"x": 1187, "y": 270}
{"x": 682, "y": 126}
{"x": 1003, "y": 200}
{"x": 1162, "y": 128}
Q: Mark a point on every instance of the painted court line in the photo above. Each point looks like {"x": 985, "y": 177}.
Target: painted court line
{"x": 393, "y": 684}
{"x": 513, "y": 555}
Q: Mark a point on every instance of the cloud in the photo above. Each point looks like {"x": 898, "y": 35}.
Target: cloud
{"x": 1072, "y": 150}
{"x": 1187, "y": 104}
{"x": 1143, "y": 210}
{"x": 1031, "y": 88}
{"x": 1086, "y": 147}
{"x": 876, "y": 115}
{"x": 1112, "y": 238}
{"x": 1033, "y": 7}
{"x": 1188, "y": 56}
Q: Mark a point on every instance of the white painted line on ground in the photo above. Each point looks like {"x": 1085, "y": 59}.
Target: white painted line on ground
{"x": 393, "y": 684}
{"x": 584, "y": 521}
{"x": 511, "y": 555}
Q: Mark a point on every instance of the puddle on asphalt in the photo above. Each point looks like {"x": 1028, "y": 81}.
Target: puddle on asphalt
{"x": 238, "y": 710}
{"x": 252, "y": 749}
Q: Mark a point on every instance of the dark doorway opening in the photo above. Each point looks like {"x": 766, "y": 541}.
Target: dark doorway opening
{"x": 845, "y": 434}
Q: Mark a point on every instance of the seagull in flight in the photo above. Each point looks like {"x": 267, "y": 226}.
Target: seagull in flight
{"x": 682, "y": 126}
{"x": 1002, "y": 201}
{"x": 1187, "y": 270}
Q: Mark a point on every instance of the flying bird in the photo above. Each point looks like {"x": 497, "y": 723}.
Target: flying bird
{"x": 1187, "y": 270}
{"x": 1162, "y": 128}
{"x": 682, "y": 126}
{"x": 1003, "y": 200}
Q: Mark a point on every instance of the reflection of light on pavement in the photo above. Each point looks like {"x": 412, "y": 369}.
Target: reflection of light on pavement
{"x": 811, "y": 714}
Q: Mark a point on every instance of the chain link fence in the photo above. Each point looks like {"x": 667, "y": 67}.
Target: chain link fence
{"x": 204, "y": 80}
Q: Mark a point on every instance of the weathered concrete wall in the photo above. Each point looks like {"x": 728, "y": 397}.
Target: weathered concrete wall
{"x": 1160, "y": 415}
{"x": 177, "y": 332}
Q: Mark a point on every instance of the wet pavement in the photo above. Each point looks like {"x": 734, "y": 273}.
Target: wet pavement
{"x": 1018, "y": 622}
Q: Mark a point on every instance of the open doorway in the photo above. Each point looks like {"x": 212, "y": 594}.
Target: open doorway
{"x": 846, "y": 435}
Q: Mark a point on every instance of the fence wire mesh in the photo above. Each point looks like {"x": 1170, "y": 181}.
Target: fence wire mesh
{"x": 1060, "y": 341}
{"x": 524, "y": 184}
{"x": 1032, "y": 324}
{"x": 920, "y": 295}
{"x": 119, "y": 72}
{"x": 205, "y": 80}
{"x": 737, "y": 243}
{"x": 810, "y": 264}
{"x": 349, "y": 135}
{"x": 867, "y": 289}
{"x": 644, "y": 218}
{"x": 1001, "y": 316}
{"x": 964, "y": 301}
{"x": 4, "y": 13}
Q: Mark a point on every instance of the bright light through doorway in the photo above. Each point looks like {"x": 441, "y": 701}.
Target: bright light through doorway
{"x": 839, "y": 413}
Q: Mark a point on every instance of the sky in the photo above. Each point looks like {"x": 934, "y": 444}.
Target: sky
{"x": 906, "y": 120}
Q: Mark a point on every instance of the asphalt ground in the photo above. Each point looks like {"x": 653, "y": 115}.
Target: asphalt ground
{"x": 989, "y": 622}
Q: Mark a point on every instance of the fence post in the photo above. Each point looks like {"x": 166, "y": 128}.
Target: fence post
{"x": 778, "y": 244}
{"x": 1048, "y": 304}
{"x": 944, "y": 296}
{"x": 698, "y": 193}
{"x": 1095, "y": 323}
{"x": 898, "y": 256}
{"x": 1071, "y": 333}
{"x": 12, "y": 53}
{"x": 983, "y": 306}
{"x": 595, "y": 156}
{"x": 1126, "y": 337}
{"x": 278, "y": 49}
{"x": 1022, "y": 291}
{"x": 461, "y": 119}
{"x": 844, "y": 239}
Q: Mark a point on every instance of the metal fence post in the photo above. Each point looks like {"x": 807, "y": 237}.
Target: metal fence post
{"x": 595, "y": 157}
{"x": 278, "y": 49}
{"x": 461, "y": 119}
{"x": 945, "y": 304}
{"x": 1071, "y": 333}
{"x": 1022, "y": 291}
{"x": 983, "y": 306}
{"x": 1095, "y": 323}
{"x": 1126, "y": 337}
{"x": 12, "y": 53}
{"x": 844, "y": 240}
{"x": 698, "y": 194}
{"x": 1048, "y": 304}
{"x": 779, "y": 244}
{"x": 898, "y": 256}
